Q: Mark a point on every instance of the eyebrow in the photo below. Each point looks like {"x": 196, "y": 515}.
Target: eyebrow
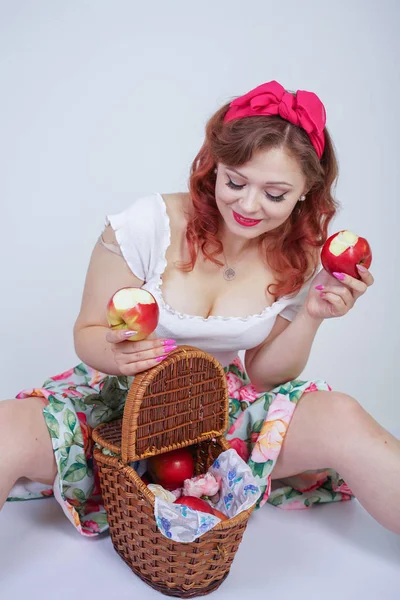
{"x": 267, "y": 183}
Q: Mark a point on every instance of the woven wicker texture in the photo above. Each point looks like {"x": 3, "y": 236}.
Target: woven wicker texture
{"x": 182, "y": 401}
{"x": 195, "y": 383}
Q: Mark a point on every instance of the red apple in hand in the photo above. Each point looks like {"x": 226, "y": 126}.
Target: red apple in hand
{"x": 171, "y": 468}
{"x": 133, "y": 309}
{"x": 196, "y": 504}
{"x": 343, "y": 251}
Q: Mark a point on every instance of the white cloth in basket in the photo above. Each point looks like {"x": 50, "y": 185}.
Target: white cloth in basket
{"x": 239, "y": 491}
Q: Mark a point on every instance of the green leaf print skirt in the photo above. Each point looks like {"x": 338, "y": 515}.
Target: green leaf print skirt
{"x": 80, "y": 399}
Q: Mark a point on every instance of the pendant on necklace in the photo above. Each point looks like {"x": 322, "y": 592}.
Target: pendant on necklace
{"x": 229, "y": 274}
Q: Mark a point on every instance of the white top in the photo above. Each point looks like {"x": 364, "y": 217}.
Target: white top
{"x": 143, "y": 234}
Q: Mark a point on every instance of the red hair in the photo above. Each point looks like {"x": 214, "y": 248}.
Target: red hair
{"x": 292, "y": 247}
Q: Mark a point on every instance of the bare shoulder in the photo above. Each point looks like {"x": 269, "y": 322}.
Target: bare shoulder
{"x": 108, "y": 235}
{"x": 179, "y": 209}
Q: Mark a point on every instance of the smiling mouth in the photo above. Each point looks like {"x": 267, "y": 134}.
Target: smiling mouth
{"x": 244, "y": 221}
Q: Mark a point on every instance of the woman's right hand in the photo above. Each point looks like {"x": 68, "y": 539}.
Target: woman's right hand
{"x": 135, "y": 357}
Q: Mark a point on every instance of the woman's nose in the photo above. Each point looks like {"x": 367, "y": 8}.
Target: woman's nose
{"x": 249, "y": 202}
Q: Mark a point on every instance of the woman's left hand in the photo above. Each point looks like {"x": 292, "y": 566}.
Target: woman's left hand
{"x": 335, "y": 296}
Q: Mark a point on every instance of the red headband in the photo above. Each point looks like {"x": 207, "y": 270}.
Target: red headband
{"x": 304, "y": 109}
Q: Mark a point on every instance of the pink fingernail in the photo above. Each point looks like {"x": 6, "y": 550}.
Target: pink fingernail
{"x": 322, "y": 294}
{"x": 340, "y": 276}
{"x": 362, "y": 268}
{"x": 160, "y": 358}
{"x": 128, "y": 334}
{"x": 319, "y": 287}
{"x": 170, "y": 348}
{"x": 169, "y": 342}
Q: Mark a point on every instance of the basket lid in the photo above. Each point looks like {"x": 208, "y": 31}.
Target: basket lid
{"x": 180, "y": 402}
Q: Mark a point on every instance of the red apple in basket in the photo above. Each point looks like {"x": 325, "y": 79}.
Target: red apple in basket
{"x": 201, "y": 505}
{"x": 343, "y": 251}
{"x": 133, "y": 309}
{"x": 195, "y": 503}
{"x": 171, "y": 468}
{"x": 219, "y": 514}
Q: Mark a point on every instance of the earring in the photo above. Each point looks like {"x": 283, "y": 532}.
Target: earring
{"x": 302, "y": 198}
{"x": 215, "y": 171}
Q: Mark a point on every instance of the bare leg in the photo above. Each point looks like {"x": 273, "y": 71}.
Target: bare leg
{"x": 25, "y": 445}
{"x": 329, "y": 429}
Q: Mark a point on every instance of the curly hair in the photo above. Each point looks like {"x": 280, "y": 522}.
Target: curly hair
{"x": 291, "y": 252}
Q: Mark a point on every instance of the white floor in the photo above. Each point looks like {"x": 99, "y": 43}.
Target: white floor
{"x": 329, "y": 552}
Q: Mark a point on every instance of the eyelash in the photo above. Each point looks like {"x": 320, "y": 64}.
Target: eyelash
{"x": 235, "y": 186}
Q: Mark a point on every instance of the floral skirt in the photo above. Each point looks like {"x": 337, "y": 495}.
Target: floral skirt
{"x": 82, "y": 398}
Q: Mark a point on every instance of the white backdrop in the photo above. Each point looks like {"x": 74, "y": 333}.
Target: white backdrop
{"x": 102, "y": 101}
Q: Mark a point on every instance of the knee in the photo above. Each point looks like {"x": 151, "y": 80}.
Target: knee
{"x": 8, "y": 418}
{"x": 333, "y": 404}
{"x": 340, "y": 422}
{"x": 24, "y": 440}
{"x": 15, "y": 416}
{"x": 9, "y": 436}
{"x": 343, "y": 410}
{"x": 343, "y": 403}
{"x": 335, "y": 415}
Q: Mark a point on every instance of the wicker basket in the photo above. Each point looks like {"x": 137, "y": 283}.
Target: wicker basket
{"x": 181, "y": 402}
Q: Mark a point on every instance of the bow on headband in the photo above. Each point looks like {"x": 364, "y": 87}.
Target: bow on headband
{"x": 304, "y": 109}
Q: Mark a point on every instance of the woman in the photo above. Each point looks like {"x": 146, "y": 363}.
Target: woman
{"x": 233, "y": 266}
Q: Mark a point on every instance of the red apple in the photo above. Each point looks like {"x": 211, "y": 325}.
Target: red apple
{"x": 171, "y": 468}
{"x": 343, "y": 251}
{"x": 133, "y": 309}
{"x": 219, "y": 514}
{"x": 196, "y": 504}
